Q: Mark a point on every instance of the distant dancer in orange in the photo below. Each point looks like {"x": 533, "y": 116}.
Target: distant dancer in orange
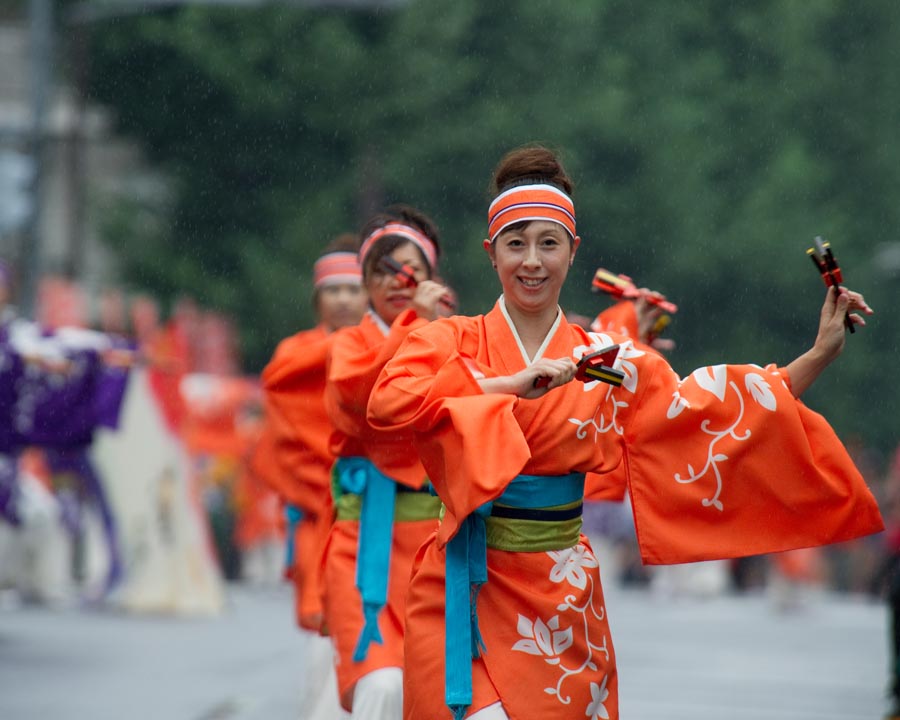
{"x": 294, "y": 456}
{"x": 259, "y": 530}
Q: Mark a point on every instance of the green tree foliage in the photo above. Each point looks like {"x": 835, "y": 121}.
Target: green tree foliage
{"x": 709, "y": 141}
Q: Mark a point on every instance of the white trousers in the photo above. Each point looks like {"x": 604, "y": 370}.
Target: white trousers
{"x": 262, "y": 564}
{"x": 491, "y": 712}
{"x": 379, "y": 695}
{"x": 319, "y": 694}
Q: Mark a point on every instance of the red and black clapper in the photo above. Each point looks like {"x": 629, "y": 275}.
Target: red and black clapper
{"x": 827, "y": 266}
{"x": 593, "y": 366}
{"x": 622, "y": 287}
{"x": 407, "y": 276}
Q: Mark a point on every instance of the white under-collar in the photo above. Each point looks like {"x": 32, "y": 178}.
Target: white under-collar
{"x": 512, "y": 326}
{"x": 379, "y": 321}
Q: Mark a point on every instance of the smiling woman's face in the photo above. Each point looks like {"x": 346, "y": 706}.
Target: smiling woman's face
{"x": 532, "y": 263}
{"x": 388, "y": 296}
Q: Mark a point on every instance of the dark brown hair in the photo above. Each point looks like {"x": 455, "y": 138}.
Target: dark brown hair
{"x": 407, "y": 215}
{"x": 530, "y": 164}
{"x": 345, "y": 242}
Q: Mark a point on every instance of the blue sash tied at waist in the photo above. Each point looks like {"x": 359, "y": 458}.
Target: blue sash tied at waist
{"x": 466, "y": 572}
{"x": 293, "y": 515}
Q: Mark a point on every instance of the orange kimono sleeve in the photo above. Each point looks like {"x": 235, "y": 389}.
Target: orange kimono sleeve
{"x": 296, "y": 359}
{"x": 727, "y": 463}
{"x": 353, "y": 367}
{"x": 264, "y": 465}
{"x": 297, "y": 426}
{"x": 429, "y": 387}
{"x": 608, "y": 487}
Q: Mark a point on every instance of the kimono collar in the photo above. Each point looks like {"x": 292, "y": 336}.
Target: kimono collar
{"x": 379, "y": 321}
{"x": 512, "y": 326}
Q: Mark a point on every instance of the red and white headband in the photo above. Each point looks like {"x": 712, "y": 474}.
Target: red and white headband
{"x": 419, "y": 239}
{"x": 530, "y": 202}
{"x": 337, "y": 268}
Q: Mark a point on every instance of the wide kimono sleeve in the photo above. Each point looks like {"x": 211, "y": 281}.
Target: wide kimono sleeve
{"x": 469, "y": 441}
{"x": 606, "y": 487}
{"x": 353, "y": 367}
{"x": 297, "y": 428}
{"x": 727, "y": 463}
{"x": 296, "y": 360}
{"x": 265, "y": 464}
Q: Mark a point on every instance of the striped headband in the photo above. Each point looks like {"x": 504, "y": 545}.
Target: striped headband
{"x": 530, "y": 202}
{"x": 419, "y": 239}
{"x": 337, "y": 268}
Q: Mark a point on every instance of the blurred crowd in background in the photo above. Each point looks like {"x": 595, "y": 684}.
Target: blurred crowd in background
{"x": 127, "y": 448}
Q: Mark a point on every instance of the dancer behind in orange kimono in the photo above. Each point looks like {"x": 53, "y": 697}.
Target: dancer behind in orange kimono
{"x": 722, "y": 463}
{"x": 297, "y": 426}
{"x": 296, "y": 438}
{"x": 638, "y": 319}
{"x": 384, "y": 508}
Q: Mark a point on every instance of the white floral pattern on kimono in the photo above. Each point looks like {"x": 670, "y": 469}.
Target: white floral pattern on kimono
{"x": 550, "y": 640}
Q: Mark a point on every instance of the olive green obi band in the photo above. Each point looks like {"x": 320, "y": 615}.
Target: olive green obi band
{"x": 408, "y": 506}
{"x": 517, "y": 534}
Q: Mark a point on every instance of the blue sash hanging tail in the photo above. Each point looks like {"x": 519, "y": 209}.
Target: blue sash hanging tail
{"x": 293, "y": 515}
{"x": 466, "y": 573}
{"x": 358, "y": 475}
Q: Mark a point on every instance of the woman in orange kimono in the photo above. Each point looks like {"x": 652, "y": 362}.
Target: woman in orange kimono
{"x": 384, "y": 508}
{"x": 295, "y": 458}
{"x": 297, "y": 428}
{"x": 722, "y": 463}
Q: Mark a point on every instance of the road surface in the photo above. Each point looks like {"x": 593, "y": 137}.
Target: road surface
{"x": 721, "y": 658}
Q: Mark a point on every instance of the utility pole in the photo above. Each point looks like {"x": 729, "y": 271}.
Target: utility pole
{"x": 78, "y": 18}
{"x": 74, "y": 154}
{"x": 40, "y": 24}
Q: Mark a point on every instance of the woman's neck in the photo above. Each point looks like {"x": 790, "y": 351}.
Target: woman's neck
{"x": 532, "y": 328}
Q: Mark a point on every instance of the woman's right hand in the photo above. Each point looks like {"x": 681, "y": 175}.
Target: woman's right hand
{"x": 525, "y": 382}
{"x": 558, "y": 372}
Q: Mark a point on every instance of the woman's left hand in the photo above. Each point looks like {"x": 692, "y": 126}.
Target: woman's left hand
{"x": 832, "y": 336}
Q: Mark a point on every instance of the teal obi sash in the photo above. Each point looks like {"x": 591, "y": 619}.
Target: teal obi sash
{"x": 360, "y": 476}
{"x": 529, "y": 498}
{"x": 293, "y": 515}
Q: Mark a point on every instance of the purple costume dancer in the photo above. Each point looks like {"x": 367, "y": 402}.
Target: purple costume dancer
{"x": 59, "y": 411}
{"x": 10, "y": 372}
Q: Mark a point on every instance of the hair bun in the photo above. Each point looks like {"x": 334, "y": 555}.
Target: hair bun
{"x": 531, "y": 164}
